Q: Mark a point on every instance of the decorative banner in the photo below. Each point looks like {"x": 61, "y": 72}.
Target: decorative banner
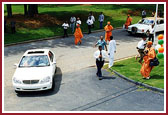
{"x": 159, "y": 47}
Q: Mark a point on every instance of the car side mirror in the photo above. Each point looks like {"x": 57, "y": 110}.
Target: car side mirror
{"x": 15, "y": 65}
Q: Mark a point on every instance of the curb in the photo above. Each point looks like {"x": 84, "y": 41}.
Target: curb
{"x": 51, "y": 38}
{"x": 139, "y": 83}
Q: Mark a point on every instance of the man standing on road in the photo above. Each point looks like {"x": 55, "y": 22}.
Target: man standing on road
{"x": 78, "y": 35}
{"x": 141, "y": 47}
{"x": 101, "y": 42}
{"x": 108, "y": 28}
{"x": 111, "y": 51}
{"x": 100, "y": 56}
{"x": 151, "y": 33}
{"x": 101, "y": 20}
{"x": 72, "y": 23}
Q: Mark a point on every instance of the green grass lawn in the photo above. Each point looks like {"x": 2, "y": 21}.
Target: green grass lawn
{"x": 131, "y": 69}
{"x": 117, "y": 14}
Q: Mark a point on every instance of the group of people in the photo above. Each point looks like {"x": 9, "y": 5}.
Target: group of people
{"x": 100, "y": 54}
{"x": 146, "y": 54}
{"x": 90, "y": 22}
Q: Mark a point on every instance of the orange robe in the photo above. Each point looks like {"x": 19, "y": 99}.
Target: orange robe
{"x": 108, "y": 29}
{"x": 128, "y": 22}
{"x": 78, "y": 35}
{"x": 146, "y": 69}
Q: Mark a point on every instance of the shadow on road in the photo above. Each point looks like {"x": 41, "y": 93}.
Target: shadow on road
{"x": 57, "y": 79}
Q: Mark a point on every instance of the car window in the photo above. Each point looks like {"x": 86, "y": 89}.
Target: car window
{"x": 51, "y": 55}
{"x": 34, "y": 61}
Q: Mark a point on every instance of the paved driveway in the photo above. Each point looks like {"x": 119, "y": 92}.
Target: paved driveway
{"x": 77, "y": 86}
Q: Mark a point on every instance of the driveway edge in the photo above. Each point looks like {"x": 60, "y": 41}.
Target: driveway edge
{"x": 50, "y": 38}
{"x": 139, "y": 83}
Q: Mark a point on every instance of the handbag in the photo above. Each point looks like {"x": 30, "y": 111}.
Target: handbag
{"x": 154, "y": 62}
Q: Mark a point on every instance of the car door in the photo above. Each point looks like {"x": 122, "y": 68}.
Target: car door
{"x": 160, "y": 25}
{"x": 53, "y": 64}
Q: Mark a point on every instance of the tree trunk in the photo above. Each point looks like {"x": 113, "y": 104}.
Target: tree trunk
{"x": 32, "y": 9}
{"x": 9, "y": 10}
{"x": 25, "y": 10}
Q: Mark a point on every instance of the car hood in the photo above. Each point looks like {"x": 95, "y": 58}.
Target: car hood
{"x": 32, "y": 73}
{"x": 140, "y": 26}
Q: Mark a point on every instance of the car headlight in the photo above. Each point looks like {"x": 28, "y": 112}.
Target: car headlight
{"x": 46, "y": 79}
{"x": 16, "y": 81}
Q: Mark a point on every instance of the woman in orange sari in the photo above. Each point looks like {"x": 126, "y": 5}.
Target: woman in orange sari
{"x": 149, "y": 54}
{"x": 78, "y": 35}
{"x": 108, "y": 28}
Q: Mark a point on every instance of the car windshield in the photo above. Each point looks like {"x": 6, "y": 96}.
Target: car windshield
{"x": 146, "y": 21}
{"x": 34, "y": 61}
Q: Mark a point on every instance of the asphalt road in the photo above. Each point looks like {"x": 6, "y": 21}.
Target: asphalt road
{"x": 77, "y": 88}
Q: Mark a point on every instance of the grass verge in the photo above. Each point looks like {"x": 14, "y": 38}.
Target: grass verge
{"x": 131, "y": 69}
{"x": 48, "y": 22}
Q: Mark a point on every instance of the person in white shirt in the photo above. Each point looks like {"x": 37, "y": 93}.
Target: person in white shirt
{"x": 72, "y": 23}
{"x": 65, "y": 26}
{"x": 141, "y": 46}
{"x": 92, "y": 17}
{"x": 100, "y": 56}
{"x": 78, "y": 21}
{"x": 89, "y": 22}
{"x": 111, "y": 51}
{"x": 101, "y": 20}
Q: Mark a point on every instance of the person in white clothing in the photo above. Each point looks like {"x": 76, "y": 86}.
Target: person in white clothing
{"x": 89, "y": 22}
{"x": 141, "y": 46}
{"x": 92, "y": 17}
{"x": 101, "y": 20}
{"x": 111, "y": 51}
{"x": 65, "y": 26}
{"x": 100, "y": 56}
{"x": 78, "y": 21}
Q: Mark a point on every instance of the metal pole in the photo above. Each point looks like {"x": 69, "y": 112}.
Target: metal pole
{"x": 156, "y": 14}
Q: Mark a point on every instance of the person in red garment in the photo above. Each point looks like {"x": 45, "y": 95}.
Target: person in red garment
{"x": 108, "y": 28}
{"x": 78, "y": 35}
{"x": 128, "y": 21}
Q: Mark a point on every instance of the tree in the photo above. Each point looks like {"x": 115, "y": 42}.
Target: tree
{"x": 9, "y": 10}
{"x": 25, "y": 10}
{"x": 32, "y": 10}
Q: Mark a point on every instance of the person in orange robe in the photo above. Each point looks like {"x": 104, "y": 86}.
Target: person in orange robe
{"x": 149, "y": 54}
{"x": 128, "y": 21}
{"x": 108, "y": 28}
{"x": 78, "y": 35}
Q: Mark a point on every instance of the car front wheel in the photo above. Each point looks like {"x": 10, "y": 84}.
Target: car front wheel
{"x": 53, "y": 85}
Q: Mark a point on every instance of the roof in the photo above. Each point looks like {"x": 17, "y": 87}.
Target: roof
{"x": 37, "y": 51}
{"x": 153, "y": 18}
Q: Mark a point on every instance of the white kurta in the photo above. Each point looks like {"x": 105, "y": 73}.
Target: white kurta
{"x": 111, "y": 50}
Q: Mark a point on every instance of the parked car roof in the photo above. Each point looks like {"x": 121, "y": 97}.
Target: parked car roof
{"x": 37, "y": 52}
{"x": 153, "y": 18}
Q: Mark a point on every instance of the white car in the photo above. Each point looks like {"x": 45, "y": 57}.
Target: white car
{"x": 35, "y": 71}
{"x": 144, "y": 26}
